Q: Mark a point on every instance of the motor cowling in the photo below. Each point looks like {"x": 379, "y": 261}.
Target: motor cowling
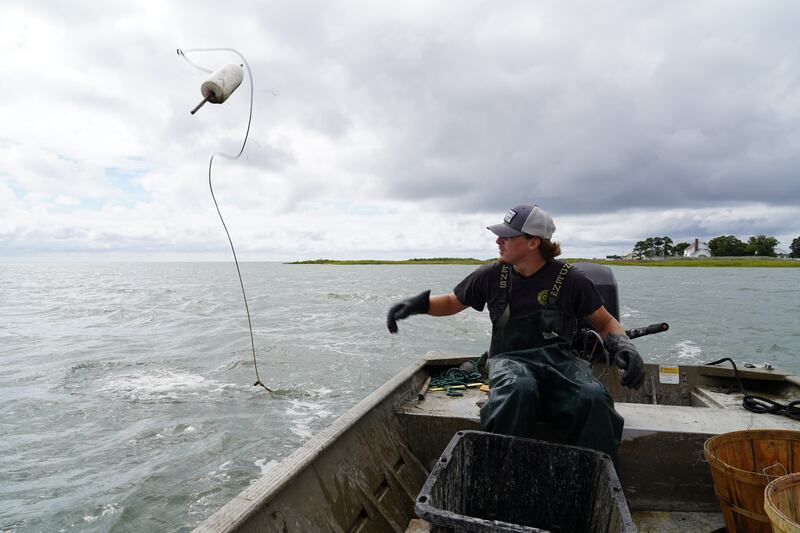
{"x": 603, "y": 278}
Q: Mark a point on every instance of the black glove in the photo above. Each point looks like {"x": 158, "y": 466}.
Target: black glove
{"x": 627, "y": 358}
{"x": 419, "y": 304}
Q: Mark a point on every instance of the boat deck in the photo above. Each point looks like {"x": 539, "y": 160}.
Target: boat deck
{"x": 640, "y": 419}
{"x": 674, "y": 492}
{"x": 362, "y": 474}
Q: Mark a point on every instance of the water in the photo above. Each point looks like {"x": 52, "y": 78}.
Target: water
{"x": 126, "y": 397}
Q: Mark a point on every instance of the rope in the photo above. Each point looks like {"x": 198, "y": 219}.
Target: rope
{"x": 759, "y": 404}
{"x": 456, "y": 376}
{"x": 182, "y": 53}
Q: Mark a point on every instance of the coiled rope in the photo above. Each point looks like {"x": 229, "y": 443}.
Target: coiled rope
{"x": 453, "y": 377}
{"x": 759, "y": 404}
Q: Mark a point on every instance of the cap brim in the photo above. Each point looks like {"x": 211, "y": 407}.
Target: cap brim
{"x": 503, "y": 230}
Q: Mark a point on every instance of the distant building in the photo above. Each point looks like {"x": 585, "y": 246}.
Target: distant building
{"x": 697, "y": 249}
{"x": 783, "y": 254}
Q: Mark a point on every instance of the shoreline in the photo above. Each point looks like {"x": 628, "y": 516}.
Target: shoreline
{"x": 721, "y": 262}
{"x": 421, "y": 261}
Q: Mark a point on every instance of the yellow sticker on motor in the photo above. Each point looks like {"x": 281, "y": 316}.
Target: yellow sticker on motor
{"x": 669, "y": 375}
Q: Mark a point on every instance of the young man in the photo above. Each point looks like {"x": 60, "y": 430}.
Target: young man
{"x": 534, "y": 303}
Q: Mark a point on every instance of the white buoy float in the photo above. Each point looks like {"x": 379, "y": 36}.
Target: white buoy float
{"x": 220, "y": 84}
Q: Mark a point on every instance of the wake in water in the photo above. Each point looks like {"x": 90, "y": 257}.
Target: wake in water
{"x": 176, "y": 386}
{"x": 108, "y": 510}
{"x": 265, "y": 465}
{"x": 305, "y": 413}
{"x": 298, "y": 392}
{"x": 358, "y": 298}
{"x": 164, "y": 385}
{"x": 689, "y": 350}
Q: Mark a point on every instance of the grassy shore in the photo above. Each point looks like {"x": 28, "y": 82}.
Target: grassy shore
{"x": 741, "y": 262}
{"x": 420, "y": 261}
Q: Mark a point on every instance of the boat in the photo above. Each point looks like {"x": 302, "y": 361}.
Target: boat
{"x": 364, "y": 472}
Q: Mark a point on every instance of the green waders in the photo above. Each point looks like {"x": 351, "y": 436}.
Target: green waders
{"x": 533, "y": 376}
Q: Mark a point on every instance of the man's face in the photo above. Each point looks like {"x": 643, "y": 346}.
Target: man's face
{"x": 514, "y": 249}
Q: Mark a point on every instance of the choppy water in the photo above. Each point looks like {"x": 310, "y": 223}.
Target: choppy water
{"x": 126, "y": 397}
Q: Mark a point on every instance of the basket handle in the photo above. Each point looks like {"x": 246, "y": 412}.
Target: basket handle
{"x": 770, "y": 467}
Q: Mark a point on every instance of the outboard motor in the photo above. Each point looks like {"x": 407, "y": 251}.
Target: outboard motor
{"x": 603, "y": 278}
{"x": 586, "y": 339}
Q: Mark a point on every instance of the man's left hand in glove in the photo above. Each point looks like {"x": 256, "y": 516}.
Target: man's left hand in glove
{"x": 626, "y": 358}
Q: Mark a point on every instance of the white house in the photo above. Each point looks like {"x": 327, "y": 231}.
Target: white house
{"x": 697, "y": 249}
{"x": 780, "y": 252}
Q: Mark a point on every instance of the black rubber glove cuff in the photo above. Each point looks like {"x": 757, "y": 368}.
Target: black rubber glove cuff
{"x": 419, "y": 304}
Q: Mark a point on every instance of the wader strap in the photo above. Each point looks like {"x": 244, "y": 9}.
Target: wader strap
{"x": 552, "y": 298}
{"x": 505, "y": 286}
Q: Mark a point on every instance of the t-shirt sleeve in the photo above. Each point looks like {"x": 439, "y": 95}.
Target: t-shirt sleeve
{"x": 474, "y": 289}
{"x": 586, "y": 298}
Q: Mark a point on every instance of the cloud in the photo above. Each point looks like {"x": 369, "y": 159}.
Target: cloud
{"x": 397, "y": 132}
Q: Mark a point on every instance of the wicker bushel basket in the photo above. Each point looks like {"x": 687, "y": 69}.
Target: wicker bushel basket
{"x": 742, "y": 464}
{"x": 782, "y": 504}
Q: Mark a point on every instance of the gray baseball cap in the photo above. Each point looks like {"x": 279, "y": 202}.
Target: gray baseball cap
{"x": 525, "y": 218}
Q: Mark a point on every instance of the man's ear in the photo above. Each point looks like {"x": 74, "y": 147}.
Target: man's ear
{"x": 534, "y": 243}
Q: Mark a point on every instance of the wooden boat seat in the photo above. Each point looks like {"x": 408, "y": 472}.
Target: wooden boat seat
{"x": 639, "y": 417}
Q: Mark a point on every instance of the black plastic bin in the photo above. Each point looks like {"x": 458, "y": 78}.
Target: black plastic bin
{"x": 489, "y": 482}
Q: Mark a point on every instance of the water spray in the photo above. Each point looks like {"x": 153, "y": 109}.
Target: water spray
{"x": 216, "y": 89}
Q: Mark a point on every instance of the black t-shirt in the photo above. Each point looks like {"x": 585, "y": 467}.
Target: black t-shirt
{"x": 578, "y": 296}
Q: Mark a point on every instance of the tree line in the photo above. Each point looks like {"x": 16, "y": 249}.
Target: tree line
{"x": 722, "y": 246}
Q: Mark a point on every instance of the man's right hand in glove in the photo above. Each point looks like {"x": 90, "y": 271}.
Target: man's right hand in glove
{"x": 412, "y": 306}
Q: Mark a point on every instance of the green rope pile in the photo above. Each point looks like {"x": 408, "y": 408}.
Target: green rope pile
{"x": 455, "y": 376}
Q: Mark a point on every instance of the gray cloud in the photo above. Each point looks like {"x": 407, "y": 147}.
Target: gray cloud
{"x": 581, "y": 126}
{"x": 588, "y": 109}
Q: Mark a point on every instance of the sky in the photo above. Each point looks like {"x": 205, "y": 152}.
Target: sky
{"x": 390, "y": 130}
